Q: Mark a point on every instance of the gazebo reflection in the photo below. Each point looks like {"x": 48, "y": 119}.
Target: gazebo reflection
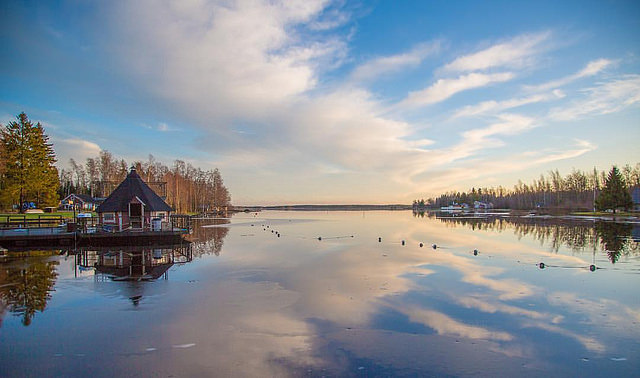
{"x": 133, "y": 263}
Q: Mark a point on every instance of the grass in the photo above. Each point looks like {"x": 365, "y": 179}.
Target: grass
{"x": 64, "y": 214}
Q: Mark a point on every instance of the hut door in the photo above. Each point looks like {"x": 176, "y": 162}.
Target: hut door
{"x": 135, "y": 215}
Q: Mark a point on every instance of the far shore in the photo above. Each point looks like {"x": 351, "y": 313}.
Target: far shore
{"x": 324, "y": 207}
{"x": 577, "y": 213}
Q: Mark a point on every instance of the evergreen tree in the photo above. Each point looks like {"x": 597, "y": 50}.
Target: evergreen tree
{"x": 615, "y": 193}
{"x": 29, "y": 172}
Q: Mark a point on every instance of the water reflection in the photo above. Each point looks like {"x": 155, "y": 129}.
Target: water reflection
{"x": 28, "y": 278}
{"x": 133, "y": 263}
{"x": 368, "y": 305}
{"x": 208, "y": 235}
{"x": 613, "y": 238}
{"x": 25, "y": 286}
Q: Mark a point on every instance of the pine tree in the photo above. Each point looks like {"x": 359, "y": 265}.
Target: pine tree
{"x": 615, "y": 193}
{"x": 28, "y": 158}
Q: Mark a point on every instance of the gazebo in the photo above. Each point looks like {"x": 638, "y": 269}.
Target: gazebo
{"x": 133, "y": 205}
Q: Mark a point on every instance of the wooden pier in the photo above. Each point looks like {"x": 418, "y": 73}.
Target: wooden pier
{"x": 55, "y": 238}
{"x": 19, "y": 232}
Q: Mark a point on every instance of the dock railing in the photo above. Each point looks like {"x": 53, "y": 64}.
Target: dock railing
{"x": 51, "y": 224}
{"x": 24, "y": 221}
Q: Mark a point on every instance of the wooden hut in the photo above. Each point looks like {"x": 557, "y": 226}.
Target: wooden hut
{"x": 133, "y": 205}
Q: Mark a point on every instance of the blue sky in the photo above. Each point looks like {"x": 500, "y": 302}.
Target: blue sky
{"x": 332, "y": 102}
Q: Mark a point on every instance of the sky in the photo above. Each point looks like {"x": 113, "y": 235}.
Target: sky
{"x": 329, "y": 102}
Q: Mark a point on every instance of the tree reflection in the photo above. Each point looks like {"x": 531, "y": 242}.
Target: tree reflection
{"x": 206, "y": 239}
{"x": 613, "y": 238}
{"x": 26, "y": 289}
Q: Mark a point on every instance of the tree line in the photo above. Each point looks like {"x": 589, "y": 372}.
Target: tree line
{"x": 576, "y": 190}
{"x": 614, "y": 238}
{"x": 29, "y": 177}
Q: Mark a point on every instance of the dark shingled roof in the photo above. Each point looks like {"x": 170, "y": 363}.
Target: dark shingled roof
{"x": 131, "y": 187}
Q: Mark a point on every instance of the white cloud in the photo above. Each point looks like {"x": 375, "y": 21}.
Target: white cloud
{"x": 219, "y": 60}
{"x": 445, "y": 88}
{"x": 581, "y": 148}
{"x": 78, "y": 149}
{"x": 387, "y": 64}
{"x": 516, "y": 52}
{"x": 330, "y": 19}
{"x": 489, "y": 107}
{"x": 605, "y": 98}
{"x": 164, "y": 127}
{"x": 510, "y": 124}
{"x": 591, "y": 69}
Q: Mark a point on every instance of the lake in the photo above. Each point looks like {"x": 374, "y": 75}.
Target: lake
{"x": 334, "y": 294}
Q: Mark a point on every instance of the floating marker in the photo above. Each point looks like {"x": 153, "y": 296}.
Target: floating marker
{"x": 379, "y": 240}
{"x": 475, "y": 252}
{"x": 592, "y": 268}
{"x": 434, "y": 246}
{"x": 403, "y": 242}
{"x": 421, "y": 245}
{"x": 319, "y": 237}
{"x": 541, "y": 265}
{"x": 278, "y": 235}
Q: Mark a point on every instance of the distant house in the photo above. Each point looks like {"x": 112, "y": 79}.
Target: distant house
{"x": 81, "y": 202}
{"x": 133, "y": 205}
{"x": 482, "y": 205}
{"x": 635, "y": 197}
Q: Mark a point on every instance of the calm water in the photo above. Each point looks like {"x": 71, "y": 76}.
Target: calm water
{"x": 241, "y": 301}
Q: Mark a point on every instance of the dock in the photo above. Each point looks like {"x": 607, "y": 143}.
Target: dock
{"x": 58, "y": 237}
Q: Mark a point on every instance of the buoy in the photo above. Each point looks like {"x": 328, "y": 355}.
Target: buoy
{"x": 272, "y": 231}
{"x": 319, "y": 237}
{"x": 434, "y": 246}
{"x": 541, "y": 265}
{"x": 278, "y": 235}
{"x": 592, "y": 268}
{"x": 475, "y": 252}
{"x": 421, "y": 245}
{"x": 379, "y": 240}
{"x": 403, "y": 242}
{"x": 136, "y": 299}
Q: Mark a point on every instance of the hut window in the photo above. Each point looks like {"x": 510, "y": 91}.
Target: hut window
{"x": 109, "y": 217}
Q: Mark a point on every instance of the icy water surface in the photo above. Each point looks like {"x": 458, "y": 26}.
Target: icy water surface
{"x": 334, "y": 294}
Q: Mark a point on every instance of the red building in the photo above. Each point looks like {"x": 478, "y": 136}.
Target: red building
{"x": 133, "y": 205}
